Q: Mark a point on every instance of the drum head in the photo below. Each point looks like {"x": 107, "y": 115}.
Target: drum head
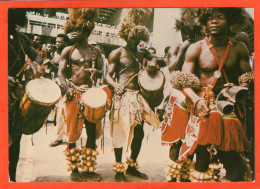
{"x": 43, "y": 91}
{"x": 94, "y": 97}
{"x": 151, "y": 83}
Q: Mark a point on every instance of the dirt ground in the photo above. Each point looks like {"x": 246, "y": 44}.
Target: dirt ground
{"x": 40, "y": 163}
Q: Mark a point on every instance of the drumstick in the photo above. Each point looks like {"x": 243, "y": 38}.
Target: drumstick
{"x": 103, "y": 137}
{"x": 131, "y": 79}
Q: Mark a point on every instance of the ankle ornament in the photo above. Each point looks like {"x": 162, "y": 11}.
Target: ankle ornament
{"x": 130, "y": 162}
{"x": 72, "y": 156}
{"x": 88, "y": 157}
{"x": 118, "y": 167}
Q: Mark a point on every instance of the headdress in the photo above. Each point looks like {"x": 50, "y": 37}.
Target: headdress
{"x": 134, "y": 24}
{"x": 188, "y": 20}
{"x": 81, "y": 18}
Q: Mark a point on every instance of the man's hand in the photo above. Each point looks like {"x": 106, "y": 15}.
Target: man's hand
{"x": 151, "y": 66}
{"x": 185, "y": 45}
{"x": 118, "y": 88}
{"x": 55, "y": 62}
{"x": 69, "y": 93}
{"x": 11, "y": 81}
{"x": 36, "y": 69}
{"x": 226, "y": 87}
{"x": 202, "y": 108}
{"x": 229, "y": 85}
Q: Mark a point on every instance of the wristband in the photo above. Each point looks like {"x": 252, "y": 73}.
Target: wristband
{"x": 196, "y": 102}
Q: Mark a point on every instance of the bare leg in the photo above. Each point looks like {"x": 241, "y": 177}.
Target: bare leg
{"x": 135, "y": 150}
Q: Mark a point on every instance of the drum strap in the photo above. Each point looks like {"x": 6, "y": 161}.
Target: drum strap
{"x": 93, "y": 62}
{"x": 135, "y": 59}
{"x": 18, "y": 55}
{"x": 127, "y": 66}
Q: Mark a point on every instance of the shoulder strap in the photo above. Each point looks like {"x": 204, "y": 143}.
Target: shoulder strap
{"x": 135, "y": 59}
{"x": 220, "y": 64}
{"x": 94, "y": 56}
{"x": 17, "y": 56}
{"x": 125, "y": 68}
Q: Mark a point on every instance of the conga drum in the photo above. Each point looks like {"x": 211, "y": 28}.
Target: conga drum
{"x": 151, "y": 87}
{"x": 39, "y": 98}
{"x": 94, "y": 101}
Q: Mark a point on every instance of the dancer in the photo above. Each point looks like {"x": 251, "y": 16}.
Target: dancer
{"x": 214, "y": 63}
{"x": 129, "y": 109}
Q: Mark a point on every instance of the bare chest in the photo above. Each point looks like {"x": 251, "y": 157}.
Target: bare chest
{"x": 81, "y": 58}
{"x": 209, "y": 62}
{"x": 133, "y": 61}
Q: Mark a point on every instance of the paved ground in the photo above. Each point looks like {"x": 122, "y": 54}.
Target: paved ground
{"x": 41, "y": 163}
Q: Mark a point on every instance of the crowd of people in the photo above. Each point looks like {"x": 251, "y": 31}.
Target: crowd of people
{"x": 210, "y": 68}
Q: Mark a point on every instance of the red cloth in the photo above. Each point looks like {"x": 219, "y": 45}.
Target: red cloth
{"x": 174, "y": 123}
{"x": 234, "y": 137}
{"x": 211, "y": 129}
{"x": 110, "y": 94}
{"x": 74, "y": 120}
{"x": 225, "y": 132}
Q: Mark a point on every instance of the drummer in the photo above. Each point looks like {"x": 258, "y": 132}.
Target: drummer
{"x": 18, "y": 47}
{"x": 80, "y": 65}
{"x": 129, "y": 108}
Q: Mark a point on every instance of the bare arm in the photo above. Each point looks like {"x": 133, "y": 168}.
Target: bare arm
{"x": 189, "y": 65}
{"x": 175, "y": 61}
{"x": 33, "y": 55}
{"x": 113, "y": 64}
{"x": 63, "y": 70}
{"x": 243, "y": 60}
{"x": 99, "y": 66}
{"x": 29, "y": 50}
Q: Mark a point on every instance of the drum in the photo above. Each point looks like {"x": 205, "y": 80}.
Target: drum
{"x": 151, "y": 87}
{"x": 39, "y": 98}
{"x": 109, "y": 91}
{"x": 94, "y": 100}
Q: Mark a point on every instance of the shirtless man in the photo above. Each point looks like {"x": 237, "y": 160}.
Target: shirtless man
{"x": 128, "y": 105}
{"x": 18, "y": 47}
{"x": 77, "y": 73}
{"x": 206, "y": 65}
